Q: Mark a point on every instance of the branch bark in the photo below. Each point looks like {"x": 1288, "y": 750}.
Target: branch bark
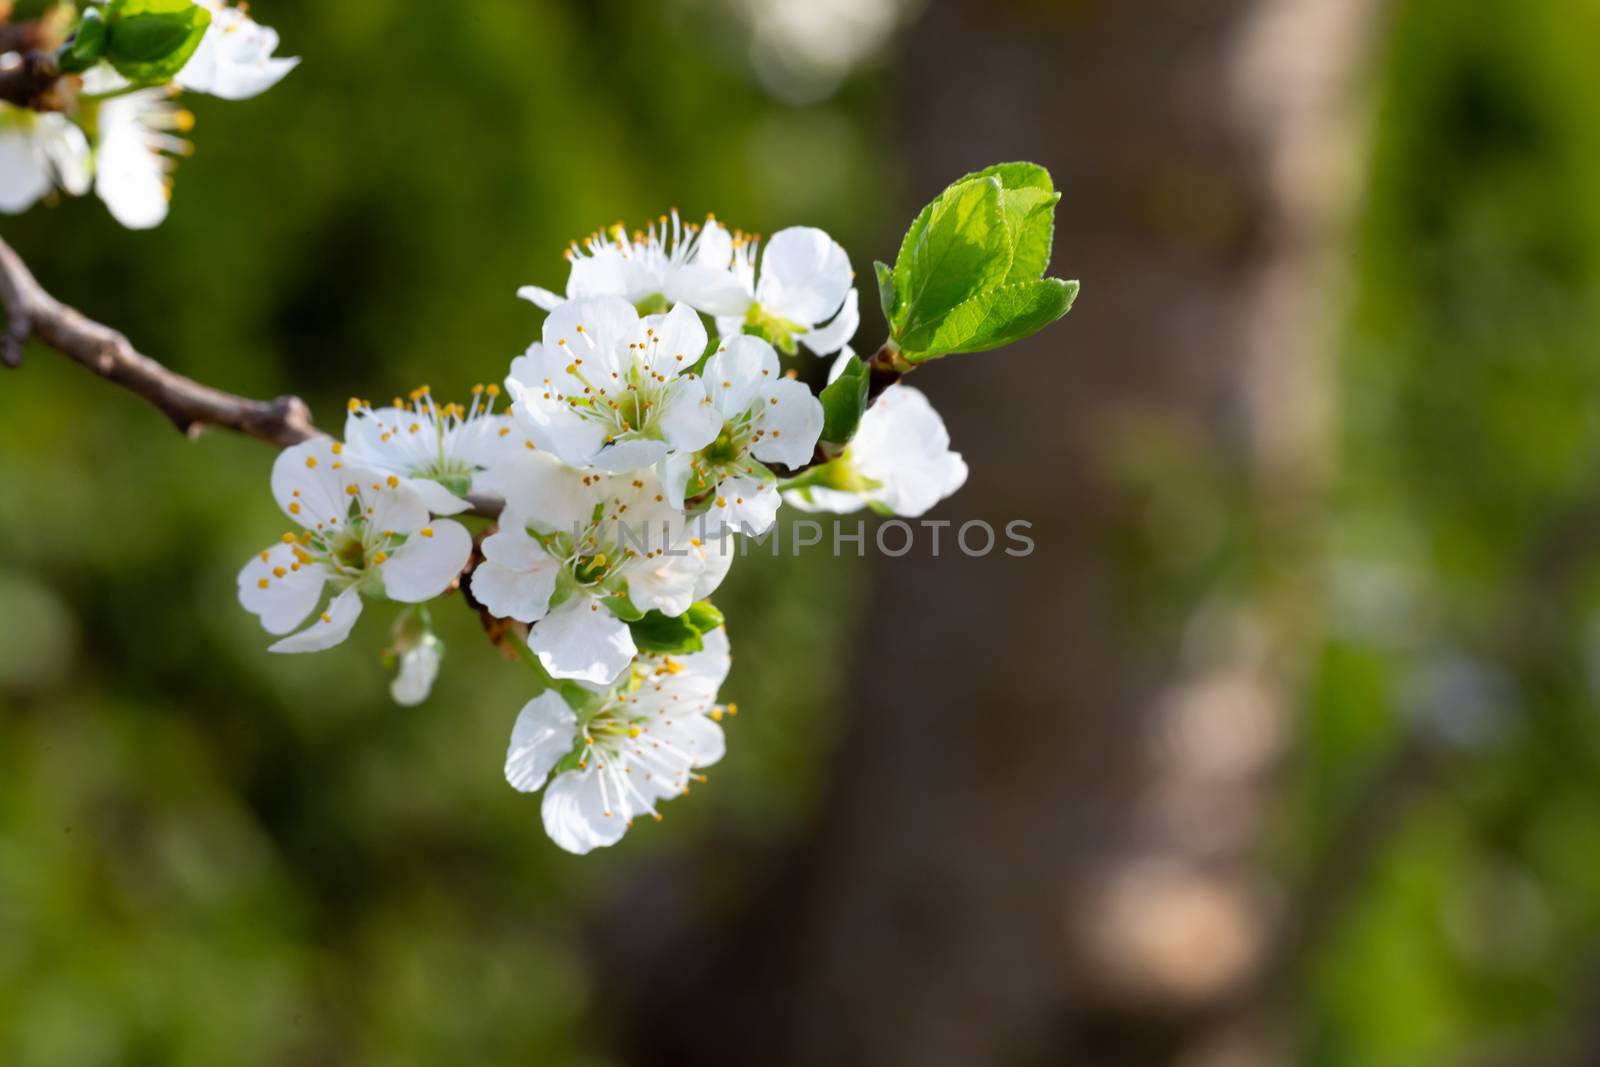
{"x": 34, "y": 80}
{"x": 192, "y": 407}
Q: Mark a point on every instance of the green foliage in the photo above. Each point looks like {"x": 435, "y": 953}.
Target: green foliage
{"x": 844, "y": 401}
{"x": 88, "y": 43}
{"x": 675, "y": 635}
{"x": 149, "y": 41}
{"x": 969, "y": 276}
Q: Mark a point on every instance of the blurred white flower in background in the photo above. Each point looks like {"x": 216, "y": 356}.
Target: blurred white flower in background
{"x": 803, "y": 49}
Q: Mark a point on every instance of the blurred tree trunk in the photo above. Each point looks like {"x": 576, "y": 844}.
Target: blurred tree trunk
{"x": 1042, "y": 838}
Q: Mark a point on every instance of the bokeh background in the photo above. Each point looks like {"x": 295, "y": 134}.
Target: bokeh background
{"x": 1283, "y": 748}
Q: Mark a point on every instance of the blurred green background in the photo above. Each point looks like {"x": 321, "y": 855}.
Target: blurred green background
{"x": 209, "y": 855}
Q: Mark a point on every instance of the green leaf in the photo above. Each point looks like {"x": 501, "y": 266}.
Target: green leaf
{"x": 679, "y": 635}
{"x": 844, "y": 401}
{"x": 149, "y": 41}
{"x": 622, "y": 607}
{"x": 960, "y": 250}
{"x": 88, "y": 43}
{"x": 1028, "y": 205}
{"x": 995, "y": 317}
{"x": 704, "y": 616}
{"x": 886, "y": 293}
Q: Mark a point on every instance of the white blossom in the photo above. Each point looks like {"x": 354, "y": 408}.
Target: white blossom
{"x": 764, "y": 418}
{"x": 611, "y": 390}
{"x": 419, "y": 667}
{"x": 39, "y": 153}
{"x": 133, "y": 155}
{"x": 362, "y": 533}
{"x": 440, "y": 452}
{"x": 234, "y": 60}
{"x": 637, "y": 744}
{"x": 571, "y": 545}
{"x": 900, "y": 461}
{"x": 665, "y": 264}
{"x": 801, "y": 291}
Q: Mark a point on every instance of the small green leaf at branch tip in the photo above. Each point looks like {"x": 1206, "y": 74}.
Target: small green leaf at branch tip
{"x": 149, "y": 41}
{"x": 843, "y": 402}
{"x": 970, "y": 274}
{"x": 87, "y": 46}
{"x": 675, "y": 635}
{"x": 995, "y": 318}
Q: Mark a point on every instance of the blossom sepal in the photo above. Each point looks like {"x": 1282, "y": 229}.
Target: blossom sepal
{"x": 677, "y": 635}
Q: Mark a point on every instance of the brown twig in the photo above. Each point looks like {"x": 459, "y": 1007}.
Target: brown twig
{"x": 34, "y": 80}
{"x": 192, "y": 407}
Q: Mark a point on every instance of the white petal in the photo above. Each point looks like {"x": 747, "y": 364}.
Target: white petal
{"x": 838, "y": 333}
{"x": 234, "y": 60}
{"x": 130, "y": 175}
{"x": 805, "y": 275}
{"x": 792, "y": 420}
{"x": 427, "y": 563}
{"x": 689, "y": 421}
{"x": 666, "y": 583}
{"x": 605, "y": 273}
{"x": 746, "y": 505}
{"x": 545, "y": 731}
{"x": 286, "y": 600}
{"x": 24, "y": 171}
{"x": 713, "y": 290}
{"x": 543, "y": 492}
{"x": 436, "y": 497}
{"x": 702, "y": 738}
{"x": 624, "y": 456}
{"x": 577, "y": 816}
{"x": 308, "y": 485}
{"x": 581, "y": 639}
{"x": 904, "y": 445}
{"x": 510, "y": 593}
{"x": 331, "y": 627}
{"x": 419, "y": 667}
{"x": 543, "y": 298}
{"x": 675, "y": 340}
{"x": 814, "y": 499}
{"x": 741, "y": 372}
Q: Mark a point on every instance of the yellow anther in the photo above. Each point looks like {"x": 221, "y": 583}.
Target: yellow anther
{"x": 426, "y": 531}
{"x": 722, "y": 502}
{"x": 311, "y": 461}
{"x": 633, "y": 731}
{"x": 265, "y": 556}
{"x": 379, "y": 557}
{"x": 695, "y": 541}
{"x": 492, "y": 389}
{"x": 351, "y": 490}
{"x": 477, "y": 390}
{"x": 733, "y": 709}
{"x": 338, "y": 448}
{"x": 394, "y": 483}
{"x": 294, "y": 507}
{"x": 414, "y": 427}
{"x": 289, "y": 539}
{"x": 262, "y": 584}
{"x": 278, "y": 572}
{"x": 326, "y": 617}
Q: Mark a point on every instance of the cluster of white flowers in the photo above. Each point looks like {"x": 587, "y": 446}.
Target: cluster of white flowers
{"x": 633, "y": 450}
{"x": 126, "y": 139}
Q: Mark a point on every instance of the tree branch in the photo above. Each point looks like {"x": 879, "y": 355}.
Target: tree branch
{"x": 192, "y": 407}
{"x": 34, "y": 80}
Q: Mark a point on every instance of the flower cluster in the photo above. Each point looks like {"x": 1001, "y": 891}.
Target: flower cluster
{"x": 123, "y": 137}
{"x": 652, "y": 423}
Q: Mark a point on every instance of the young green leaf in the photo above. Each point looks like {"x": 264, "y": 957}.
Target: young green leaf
{"x": 678, "y": 635}
{"x": 843, "y": 402}
{"x": 88, "y": 43}
{"x": 969, "y": 276}
{"x": 994, "y": 318}
{"x": 149, "y": 41}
